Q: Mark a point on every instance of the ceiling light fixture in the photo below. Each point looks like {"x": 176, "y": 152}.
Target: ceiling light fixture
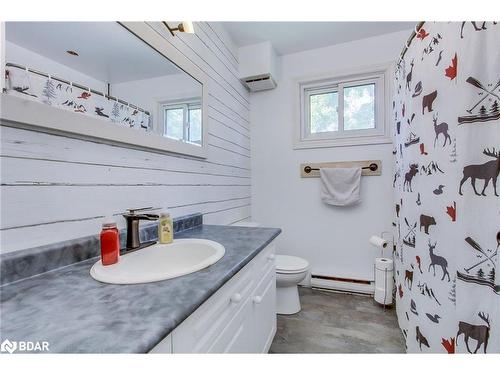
{"x": 184, "y": 27}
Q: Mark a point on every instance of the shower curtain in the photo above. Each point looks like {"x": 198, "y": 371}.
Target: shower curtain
{"x": 446, "y": 113}
{"x": 28, "y": 85}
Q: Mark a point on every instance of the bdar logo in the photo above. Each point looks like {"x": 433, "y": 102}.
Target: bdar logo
{"x": 8, "y": 346}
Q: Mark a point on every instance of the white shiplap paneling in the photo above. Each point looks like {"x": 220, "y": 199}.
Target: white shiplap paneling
{"x": 56, "y": 188}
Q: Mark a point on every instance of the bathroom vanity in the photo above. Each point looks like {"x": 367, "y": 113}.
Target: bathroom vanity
{"x": 226, "y": 307}
{"x": 239, "y": 318}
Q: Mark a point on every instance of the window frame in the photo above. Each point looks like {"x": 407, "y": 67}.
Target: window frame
{"x": 337, "y": 82}
{"x": 186, "y": 105}
{"x": 194, "y": 107}
{"x": 308, "y": 92}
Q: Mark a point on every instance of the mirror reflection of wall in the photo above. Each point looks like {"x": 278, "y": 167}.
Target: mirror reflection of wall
{"x": 139, "y": 87}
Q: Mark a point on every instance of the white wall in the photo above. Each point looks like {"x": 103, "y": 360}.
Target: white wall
{"x": 22, "y": 56}
{"x": 148, "y": 93}
{"x": 333, "y": 239}
{"x": 56, "y": 188}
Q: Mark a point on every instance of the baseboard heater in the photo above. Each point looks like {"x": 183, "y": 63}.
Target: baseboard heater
{"x": 342, "y": 284}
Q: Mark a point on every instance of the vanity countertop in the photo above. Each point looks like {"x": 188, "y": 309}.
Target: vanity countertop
{"x": 77, "y": 314}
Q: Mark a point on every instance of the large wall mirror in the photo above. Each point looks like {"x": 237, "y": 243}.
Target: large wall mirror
{"x": 119, "y": 82}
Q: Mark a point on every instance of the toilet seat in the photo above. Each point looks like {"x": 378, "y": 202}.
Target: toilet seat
{"x": 287, "y": 264}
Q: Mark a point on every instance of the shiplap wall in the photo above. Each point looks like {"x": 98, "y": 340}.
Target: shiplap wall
{"x": 55, "y": 188}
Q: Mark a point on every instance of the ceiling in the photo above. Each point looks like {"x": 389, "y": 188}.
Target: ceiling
{"x": 290, "y": 37}
{"x": 107, "y": 51}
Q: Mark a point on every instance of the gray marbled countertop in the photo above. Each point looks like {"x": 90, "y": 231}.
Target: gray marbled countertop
{"x": 77, "y": 314}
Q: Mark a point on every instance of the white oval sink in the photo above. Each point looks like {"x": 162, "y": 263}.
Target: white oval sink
{"x": 160, "y": 262}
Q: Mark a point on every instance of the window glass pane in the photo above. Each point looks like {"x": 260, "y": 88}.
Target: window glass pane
{"x": 174, "y": 123}
{"x": 195, "y": 125}
{"x": 359, "y": 107}
{"x": 323, "y": 112}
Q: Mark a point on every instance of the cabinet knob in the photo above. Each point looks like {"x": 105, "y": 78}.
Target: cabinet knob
{"x": 271, "y": 257}
{"x": 236, "y": 297}
{"x": 257, "y": 299}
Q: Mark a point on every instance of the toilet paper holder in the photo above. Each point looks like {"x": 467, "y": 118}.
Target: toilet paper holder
{"x": 381, "y": 242}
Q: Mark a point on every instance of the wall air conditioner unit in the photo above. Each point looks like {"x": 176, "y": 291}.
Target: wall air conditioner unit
{"x": 259, "y": 83}
{"x": 258, "y": 66}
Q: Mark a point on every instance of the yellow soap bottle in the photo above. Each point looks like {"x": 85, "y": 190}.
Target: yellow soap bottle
{"x": 165, "y": 229}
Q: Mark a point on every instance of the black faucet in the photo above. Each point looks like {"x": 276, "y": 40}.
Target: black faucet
{"x": 133, "y": 218}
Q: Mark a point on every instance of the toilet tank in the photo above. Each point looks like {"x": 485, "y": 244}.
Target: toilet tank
{"x": 246, "y": 224}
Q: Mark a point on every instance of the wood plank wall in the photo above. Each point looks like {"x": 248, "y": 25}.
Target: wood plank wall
{"x": 55, "y": 188}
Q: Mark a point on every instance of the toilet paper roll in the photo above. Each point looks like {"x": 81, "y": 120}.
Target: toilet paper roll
{"x": 384, "y": 280}
{"x": 378, "y": 242}
{"x": 384, "y": 264}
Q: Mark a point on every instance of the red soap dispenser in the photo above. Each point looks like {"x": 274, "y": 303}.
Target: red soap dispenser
{"x": 110, "y": 243}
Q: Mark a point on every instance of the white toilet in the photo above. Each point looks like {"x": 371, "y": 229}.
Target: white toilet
{"x": 290, "y": 271}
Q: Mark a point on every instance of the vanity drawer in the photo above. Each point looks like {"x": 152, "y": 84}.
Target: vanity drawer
{"x": 265, "y": 262}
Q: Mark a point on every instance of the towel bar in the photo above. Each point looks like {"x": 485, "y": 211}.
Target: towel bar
{"x": 369, "y": 167}
{"x": 372, "y": 167}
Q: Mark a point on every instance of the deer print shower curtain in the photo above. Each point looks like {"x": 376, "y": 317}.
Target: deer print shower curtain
{"x": 446, "y": 112}
{"x": 28, "y": 85}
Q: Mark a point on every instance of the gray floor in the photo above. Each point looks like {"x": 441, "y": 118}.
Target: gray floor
{"x": 338, "y": 323}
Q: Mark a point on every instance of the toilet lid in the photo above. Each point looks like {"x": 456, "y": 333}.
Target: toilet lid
{"x": 290, "y": 264}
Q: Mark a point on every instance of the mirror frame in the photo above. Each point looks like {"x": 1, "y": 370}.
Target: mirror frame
{"x": 28, "y": 114}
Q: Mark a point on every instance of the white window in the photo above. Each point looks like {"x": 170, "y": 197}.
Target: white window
{"x": 182, "y": 121}
{"x": 347, "y": 110}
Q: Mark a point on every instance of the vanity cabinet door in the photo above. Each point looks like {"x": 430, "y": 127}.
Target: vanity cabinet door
{"x": 264, "y": 311}
{"x": 202, "y": 328}
{"x": 198, "y": 333}
{"x": 238, "y": 336}
{"x": 234, "y": 320}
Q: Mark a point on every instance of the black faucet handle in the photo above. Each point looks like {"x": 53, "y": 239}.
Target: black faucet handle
{"x": 149, "y": 217}
{"x": 132, "y": 211}
{"x": 135, "y": 216}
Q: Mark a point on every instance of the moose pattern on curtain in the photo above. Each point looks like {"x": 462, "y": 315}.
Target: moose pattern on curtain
{"x": 58, "y": 94}
{"x": 447, "y": 161}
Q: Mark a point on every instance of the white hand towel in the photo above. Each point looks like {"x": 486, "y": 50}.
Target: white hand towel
{"x": 340, "y": 186}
